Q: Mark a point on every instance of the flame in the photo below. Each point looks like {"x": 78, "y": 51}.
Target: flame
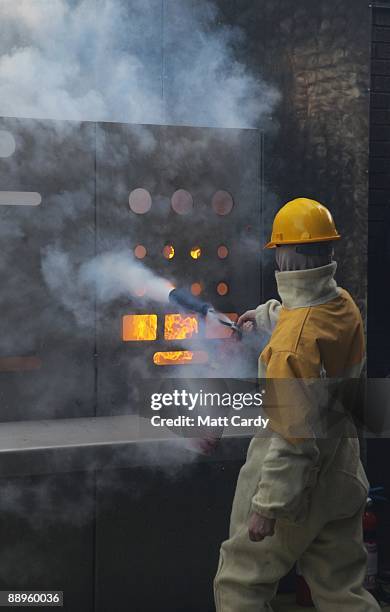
{"x": 169, "y": 251}
{"x": 178, "y": 327}
{"x": 180, "y": 358}
{"x": 139, "y": 327}
{"x": 196, "y": 252}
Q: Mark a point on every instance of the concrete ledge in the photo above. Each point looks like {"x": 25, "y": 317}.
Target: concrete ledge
{"x": 65, "y": 445}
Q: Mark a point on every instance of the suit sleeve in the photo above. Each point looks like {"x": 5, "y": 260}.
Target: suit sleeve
{"x": 291, "y": 465}
{"x": 267, "y": 316}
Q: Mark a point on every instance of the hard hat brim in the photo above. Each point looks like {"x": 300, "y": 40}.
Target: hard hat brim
{"x": 273, "y": 245}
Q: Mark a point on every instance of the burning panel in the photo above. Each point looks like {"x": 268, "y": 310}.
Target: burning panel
{"x": 175, "y": 358}
{"x": 180, "y": 327}
{"x": 182, "y": 202}
{"x": 196, "y": 252}
{"x": 139, "y": 328}
{"x": 187, "y": 203}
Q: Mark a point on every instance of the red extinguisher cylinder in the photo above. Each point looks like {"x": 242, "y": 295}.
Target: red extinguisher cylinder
{"x": 303, "y": 594}
{"x": 370, "y": 524}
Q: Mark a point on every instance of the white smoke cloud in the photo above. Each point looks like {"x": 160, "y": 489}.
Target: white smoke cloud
{"x": 117, "y": 274}
{"x": 108, "y": 276}
{"x": 106, "y": 60}
{"x": 141, "y": 61}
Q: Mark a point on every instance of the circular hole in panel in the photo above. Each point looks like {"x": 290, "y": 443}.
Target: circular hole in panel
{"x": 7, "y": 144}
{"x": 222, "y": 203}
{"x": 140, "y": 201}
{"x": 196, "y": 289}
{"x": 222, "y": 289}
{"x": 140, "y": 251}
{"x": 196, "y": 252}
{"x": 169, "y": 251}
{"x": 182, "y": 202}
{"x": 223, "y": 251}
{"x": 140, "y": 291}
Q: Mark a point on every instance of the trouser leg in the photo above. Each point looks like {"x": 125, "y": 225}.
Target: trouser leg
{"x": 334, "y": 566}
{"x": 249, "y": 572}
{"x": 237, "y": 585}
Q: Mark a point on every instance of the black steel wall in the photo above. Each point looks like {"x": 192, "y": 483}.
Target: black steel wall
{"x": 379, "y": 197}
{"x": 379, "y": 246}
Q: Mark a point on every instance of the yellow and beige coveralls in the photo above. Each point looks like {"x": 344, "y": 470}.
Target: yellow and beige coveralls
{"x": 315, "y": 488}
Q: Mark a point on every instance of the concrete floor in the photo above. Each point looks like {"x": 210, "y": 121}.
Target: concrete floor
{"x": 286, "y": 603}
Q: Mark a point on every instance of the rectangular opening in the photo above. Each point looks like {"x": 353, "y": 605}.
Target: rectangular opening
{"x": 171, "y": 358}
{"x": 180, "y": 327}
{"x": 136, "y": 328}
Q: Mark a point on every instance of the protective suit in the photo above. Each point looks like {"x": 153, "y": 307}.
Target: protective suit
{"x": 315, "y": 487}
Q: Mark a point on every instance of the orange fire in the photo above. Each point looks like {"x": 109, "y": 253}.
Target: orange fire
{"x": 196, "y": 252}
{"x": 167, "y": 358}
{"x": 178, "y": 327}
{"x": 139, "y": 327}
{"x": 169, "y": 251}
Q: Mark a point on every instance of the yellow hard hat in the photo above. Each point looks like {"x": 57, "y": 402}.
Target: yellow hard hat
{"x": 302, "y": 221}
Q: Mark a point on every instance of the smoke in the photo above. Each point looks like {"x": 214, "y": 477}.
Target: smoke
{"x": 107, "y": 277}
{"x": 7, "y": 144}
{"x": 116, "y": 274}
{"x": 139, "y": 61}
{"x": 143, "y": 61}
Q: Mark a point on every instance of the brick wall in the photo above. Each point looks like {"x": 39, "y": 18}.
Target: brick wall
{"x": 318, "y": 56}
